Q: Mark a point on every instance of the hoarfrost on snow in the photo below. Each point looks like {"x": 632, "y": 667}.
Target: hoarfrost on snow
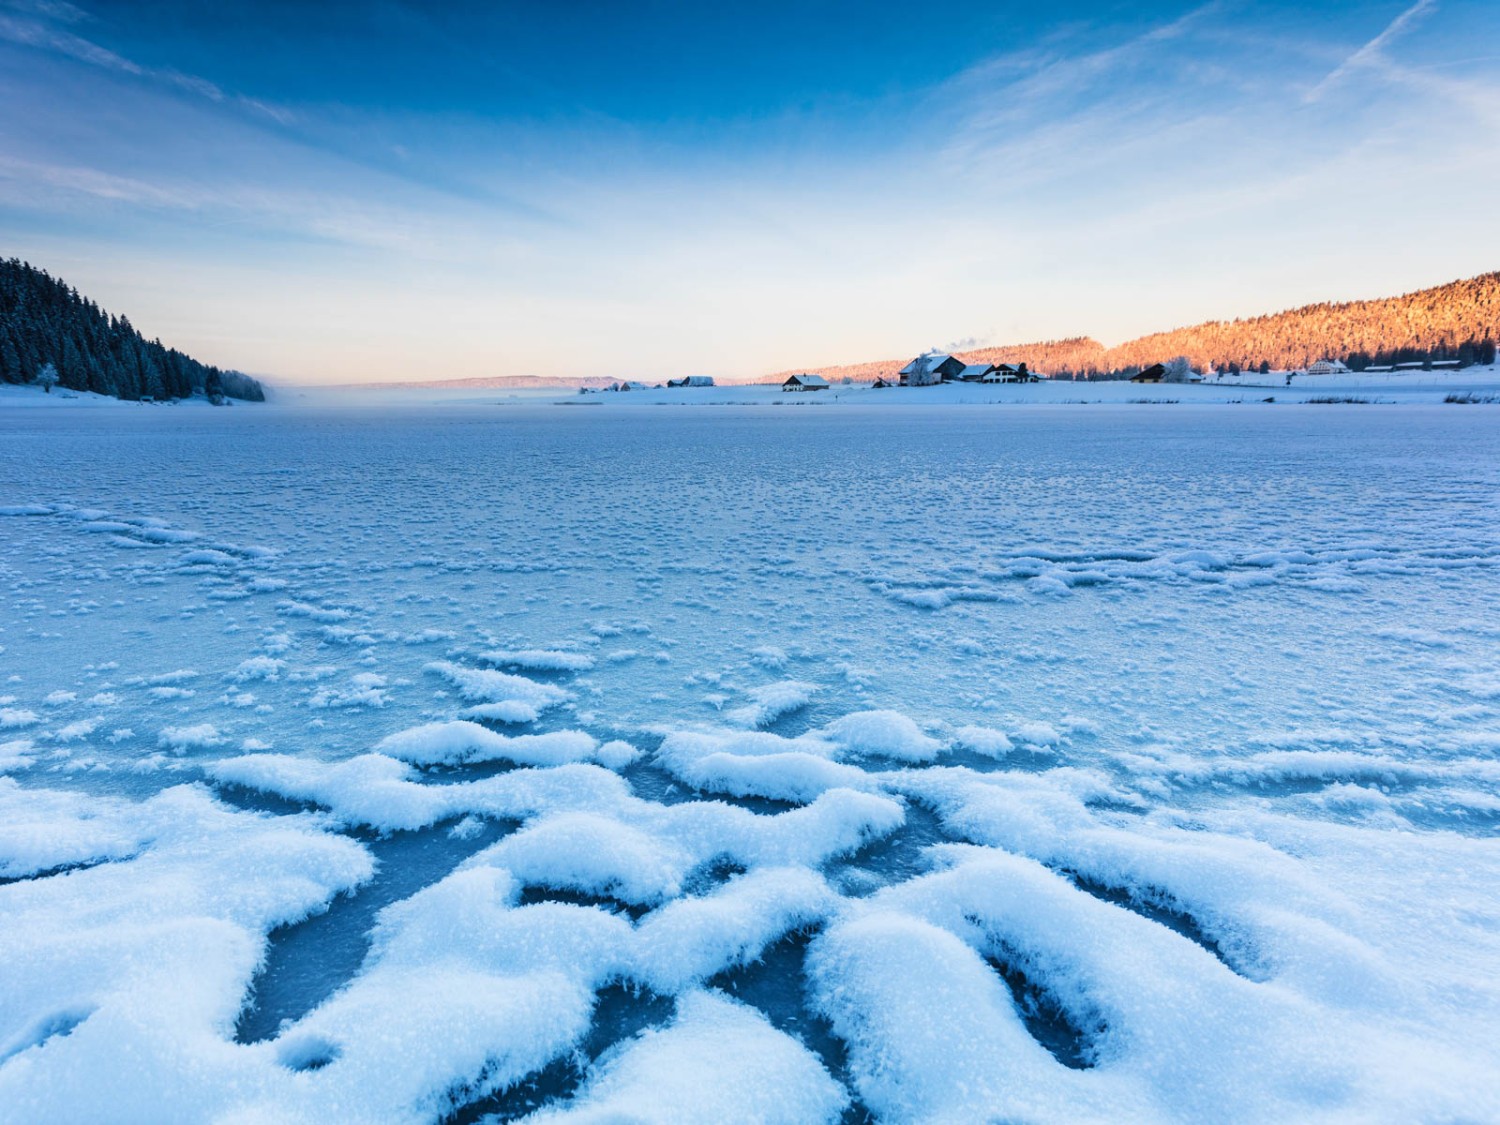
{"x": 1115, "y": 765}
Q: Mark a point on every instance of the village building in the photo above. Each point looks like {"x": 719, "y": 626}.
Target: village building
{"x": 881, "y": 383}
{"x": 805, "y": 383}
{"x": 1327, "y": 367}
{"x": 692, "y": 381}
{"x": 1153, "y": 374}
{"x": 930, "y": 369}
{"x": 975, "y": 372}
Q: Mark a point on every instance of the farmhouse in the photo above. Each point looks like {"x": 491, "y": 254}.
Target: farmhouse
{"x": 976, "y": 372}
{"x": 692, "y": 381}
{"x": 881, "y": 383}
{"x": 1327, "y": 367}
{"x": 929, "y": 369}
{"x": 1153, "y": 374}
{"x": 805, "y": 383}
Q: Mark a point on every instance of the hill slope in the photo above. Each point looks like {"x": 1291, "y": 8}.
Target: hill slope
{"x": 1460, "y": 320}
{"x": 43, "y": 320}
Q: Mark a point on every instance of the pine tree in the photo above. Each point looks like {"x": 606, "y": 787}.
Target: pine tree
{"x": 44, "y": 320}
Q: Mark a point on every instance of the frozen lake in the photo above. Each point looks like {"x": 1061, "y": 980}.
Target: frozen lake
{"x": 1044, "y": 763}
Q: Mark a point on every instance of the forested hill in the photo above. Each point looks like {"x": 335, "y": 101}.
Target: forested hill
{"x": 1460, "y": 320}
{"x": 43, "y": 320}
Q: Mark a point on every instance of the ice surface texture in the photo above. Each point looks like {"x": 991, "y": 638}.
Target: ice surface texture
{"x": 1044, "y": 764}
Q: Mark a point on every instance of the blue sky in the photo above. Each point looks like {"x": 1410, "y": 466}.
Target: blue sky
{"x": 390, "y": 191}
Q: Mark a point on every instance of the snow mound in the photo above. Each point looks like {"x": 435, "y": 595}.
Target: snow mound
{"x": 484, "y": 685}
{"x": 16, "y": 754}
{"x": 453, "y": 743}
{"x": 14, "y": 718}
{"x": 511, "y": 711}
{"x": 42, "y": 829}
{"x": 691, "y": 939}
{"x": 758, "y": 764}
{"x": 132, "y": 972}
{"x": 643, "y": 853}
{"x": 717, "y": 1061}
{"x": 882, "y": 734}
{"x": 539, "y": 659}
{"x": 198, "y": 736}
{"x": 771, "y": 701}
{"x": 389, "y": 795}
{"x": 983, "y": 740}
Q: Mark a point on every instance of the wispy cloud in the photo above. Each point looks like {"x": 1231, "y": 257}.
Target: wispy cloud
{"x": 35, "y": 33}
{"x": 59, "y": 10}
{"x": 1372, "y": 54}
{"x": 1025, "y": 116}
{"x": 38, "y": 28}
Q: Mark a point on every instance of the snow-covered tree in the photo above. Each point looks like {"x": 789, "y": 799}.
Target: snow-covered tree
{"x": 46, "y": 378}
{"x": 1178, "y": 370}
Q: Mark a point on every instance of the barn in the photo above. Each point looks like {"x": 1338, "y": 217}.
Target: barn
{"x": 1153, "y": 374}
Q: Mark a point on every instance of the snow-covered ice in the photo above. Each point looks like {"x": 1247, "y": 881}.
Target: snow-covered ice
{"x": 1000, "y": 759}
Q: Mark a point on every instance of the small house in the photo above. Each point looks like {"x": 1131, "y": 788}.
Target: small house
{"x": 881, "y": 383}
{"x": 1153, "y": 374}
{"x": 805, "y": 383}
{"x": 975, "y": 372}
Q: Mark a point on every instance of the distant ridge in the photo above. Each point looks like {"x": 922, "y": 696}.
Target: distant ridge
{"x": 1459, "y": 320}
{"x": 43, "y": 320}
{"x": 490, "y": 382}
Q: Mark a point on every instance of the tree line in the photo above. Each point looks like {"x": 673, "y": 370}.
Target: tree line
{"x": 1458, "y": 321}
{"x": 44, "y": 321}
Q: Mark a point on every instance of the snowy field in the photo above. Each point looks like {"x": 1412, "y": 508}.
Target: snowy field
{"x": 525, "y": 761}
